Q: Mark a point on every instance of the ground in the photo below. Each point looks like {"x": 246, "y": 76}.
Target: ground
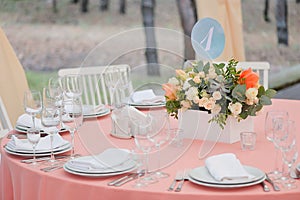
{"x": 47, "y": 41}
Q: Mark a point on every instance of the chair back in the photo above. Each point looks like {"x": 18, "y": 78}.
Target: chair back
{"x": 5, "y": 124}
{"x": 95, "y": 92}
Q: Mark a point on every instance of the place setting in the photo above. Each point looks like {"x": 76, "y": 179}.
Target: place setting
{"x": 146, "y": 99}
{"x": 91, "y": 111}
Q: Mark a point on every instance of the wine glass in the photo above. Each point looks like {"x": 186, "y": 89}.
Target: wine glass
{"x": 159, "y": 135}
{"x": 72, "y": 118}
{"x": 72, "y": 85}
{"x": 145, "y": 145}
{"x": 111, "y": 79}
{"x": 50, "y": 119}
{"x": 33, "y": 136}
{"x": 32, "y": 104}
{"x": 274, "y": 121}
{"x": 289, "y": 157}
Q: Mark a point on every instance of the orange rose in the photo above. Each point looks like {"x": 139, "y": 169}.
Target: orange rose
{"x": 170, "y": 91}
{"x": 249, "y": 78}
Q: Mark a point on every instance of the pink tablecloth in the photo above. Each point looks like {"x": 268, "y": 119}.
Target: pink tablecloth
{"x": 20, "y": 181}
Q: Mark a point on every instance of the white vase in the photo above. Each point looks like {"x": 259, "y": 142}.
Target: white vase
{"x": 195, "y": 125}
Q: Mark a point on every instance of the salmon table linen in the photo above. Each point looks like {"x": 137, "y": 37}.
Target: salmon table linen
{"x": 20, "y": 181}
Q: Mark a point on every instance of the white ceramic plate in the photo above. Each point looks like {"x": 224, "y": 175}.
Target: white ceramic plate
{"x": 201, "y": 174}
{"x": 67, "y": 145}
{"x": 144, "y": 106}
{"x": 226, "y": 185}
{"x": 66, "y": 149}
{"x": 122, "y": 167}
{"x": 23, "y": 129}
{"x": 103, "y": 112}
{"x": 97, "y": 174}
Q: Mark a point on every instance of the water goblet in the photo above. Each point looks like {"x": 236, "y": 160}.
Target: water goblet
{"x": 145, "y": 145}
{"x": 289, "y": 157}
{"x": 111, "y": 79}
{"x": 72, "y": 118}
{"x": 33, "y": 136}
{"x": 159, "y": 135}
{"x": 50, "y": 118}
{"x": 32, "y": 104}
{"x": 273, "y": 121}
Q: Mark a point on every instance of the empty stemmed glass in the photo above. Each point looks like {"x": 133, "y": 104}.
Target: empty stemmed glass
{"x": 32, "y": 104}
{"x": 275, "y": 121}
{"x": 159, "y": 135}
{"x": 33, "y": 136}
{"x": 289, "y": 158}
{"x": 145, "y": 145}
{"x": 111, "y": 78}
{"x": 50, "y": 119}
{"x": 72, "y": 118}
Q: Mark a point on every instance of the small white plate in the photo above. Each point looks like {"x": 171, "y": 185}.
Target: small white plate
{"x": 67, "y": 145}
{"x": 98, "y": 174}
{"x": 202, "y": 174}
{"x": 23, "y": 129}
{"x": 103, "y": 112}
{"x": 68, "y": 148}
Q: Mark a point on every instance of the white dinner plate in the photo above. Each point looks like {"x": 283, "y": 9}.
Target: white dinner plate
{"x": 97, "y": 174}
{"x": 122, "y": 167}
{"x": 202, "y": 174}
{"x": 144, "y": 106}
{"x": 103, "y": 112}
{"x": 66, "y": 149}
{"x": 23, "y": 129}
{"x": 226, "y": 185}
{"x": 62, "y": 147}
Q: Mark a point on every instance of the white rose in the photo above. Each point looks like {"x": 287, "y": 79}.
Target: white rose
{"x": 191, "y": 93}
{"x": 251, "y": 93}
{"x": 216, "y": 109}
{"x": 196, "y": 79}
{"x": 209, "y": 104}
{"x": 235, "y": 108}
{"x": 196, "y": 99}
{"x": 201, "y": 74}
{"x": 186, "y": 85}
{"x": 217, "y": 95}
{"x": 185, "y": 105}
{"x": 173, "y": 81}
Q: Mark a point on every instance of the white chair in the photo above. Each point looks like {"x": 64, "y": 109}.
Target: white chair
{"x": 262, "y": 68}
{"x": 95, "y": 92}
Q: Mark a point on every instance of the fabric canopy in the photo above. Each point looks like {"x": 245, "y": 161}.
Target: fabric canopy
{"x": 13, "y": 81}
{"x": 229, "y": 14}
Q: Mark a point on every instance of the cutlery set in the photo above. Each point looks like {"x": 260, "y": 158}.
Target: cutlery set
{"x": 125, "y": 179}
{"x": 180, "y": 177}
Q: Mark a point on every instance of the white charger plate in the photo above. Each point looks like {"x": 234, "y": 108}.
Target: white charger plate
{"x": 97, "y": 174}
{"x": 103, "y": 112}
{"x": 202, "y": 175}
{"x": 226, "y": 185}
{"x": 66, "y": 149}
{"x": 122, "y": 167}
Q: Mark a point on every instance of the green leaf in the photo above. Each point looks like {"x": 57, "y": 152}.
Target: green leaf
{"x": 261, "y": 91}
{"x": 239, "y": 92}
{"x": 270, "y": 93}
{"x": 265, "y": 100}
{"x": 206, "y": 68}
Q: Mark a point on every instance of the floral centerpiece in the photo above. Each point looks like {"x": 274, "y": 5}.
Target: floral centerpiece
{"x": 220, "y": 89}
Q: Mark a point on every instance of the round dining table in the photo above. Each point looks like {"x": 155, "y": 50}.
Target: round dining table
{"x": 20, "y": 181}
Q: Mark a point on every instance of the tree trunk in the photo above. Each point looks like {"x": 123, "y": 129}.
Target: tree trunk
{"x": 282, "y": 21}
{"x": 148, "y": 22}
{"x": 54, "y": 7}
{"x": 122, "y": 6}
{"x": 104, "y": 5}
{"x": 188, "y": 19}
{"x": 266, "y": 11}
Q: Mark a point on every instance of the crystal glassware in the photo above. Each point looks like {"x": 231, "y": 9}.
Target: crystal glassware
{"x": 33, "y": 136}
{"x": 289, "y": 157}
{"x": 111, "y": 79}
{"x": 72, "y": 85}
{"x": 72, "y": 118}
{"x": 50, "y": 118}
{"x": 33, "y": 104}
{"x": 272, "y": 123}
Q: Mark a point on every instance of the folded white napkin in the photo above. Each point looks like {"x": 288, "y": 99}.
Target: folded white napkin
{"x": 146, "y": 96}
{"x": 25, "y": 120}
{"x": 108, "y": 159}
{"x": 43, "y": 144}
{"x": 226, "y": 167}
{"x": 90, "y": 109}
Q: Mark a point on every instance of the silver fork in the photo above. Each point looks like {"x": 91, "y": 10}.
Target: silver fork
{"x": 178, "y": 177}
{"x": 184, "y": 178}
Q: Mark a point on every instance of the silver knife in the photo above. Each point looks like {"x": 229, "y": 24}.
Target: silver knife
{"x": 265, "y": 187}
{"x": 112, "y": 183}
{"x": 135, "y": 176}
{"x": 275, "y": 187}
{"x": 44, "y": 158}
